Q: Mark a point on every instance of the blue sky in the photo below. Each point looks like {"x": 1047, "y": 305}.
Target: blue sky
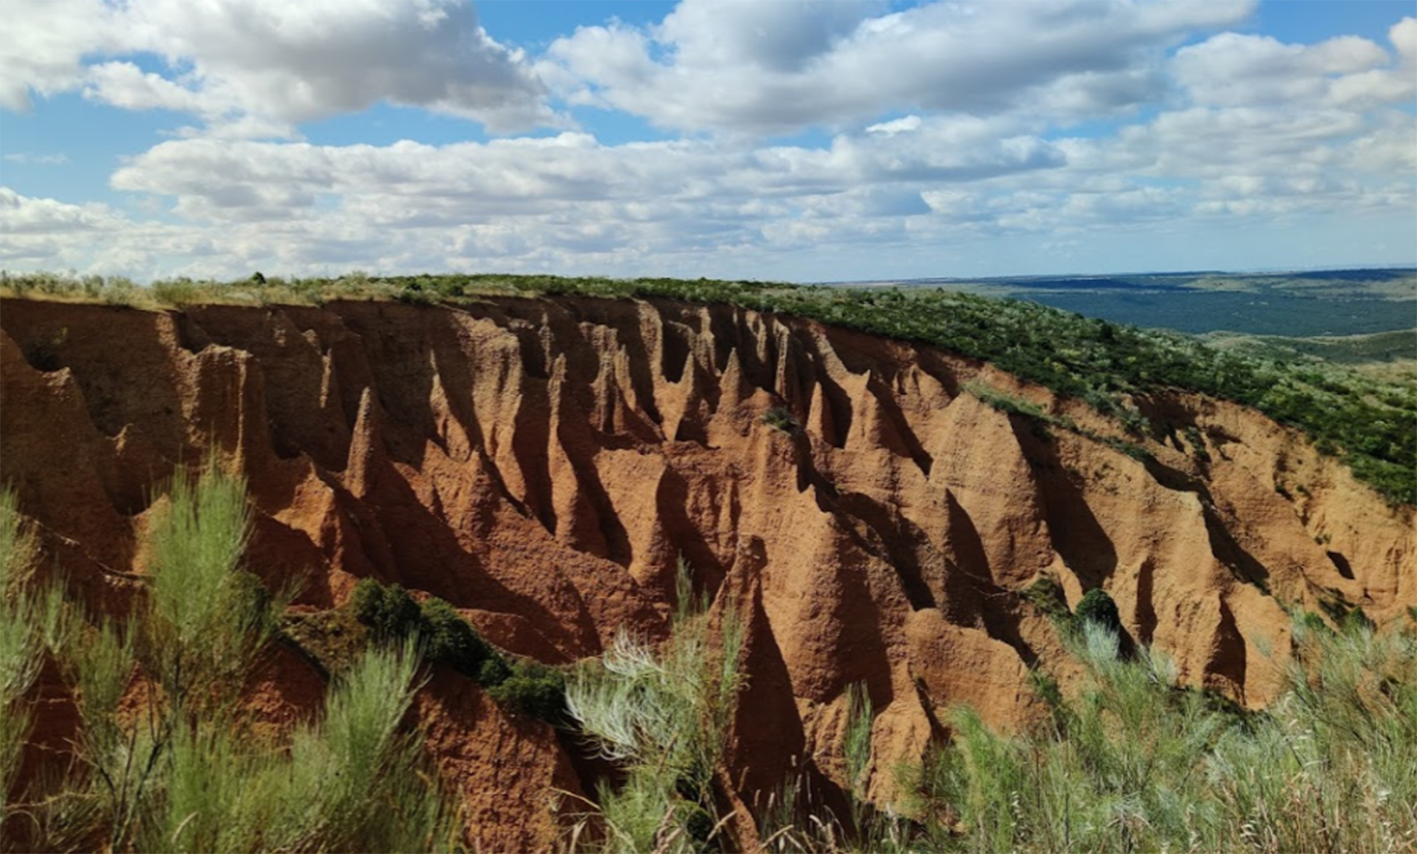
{"x": 738, "y": 138}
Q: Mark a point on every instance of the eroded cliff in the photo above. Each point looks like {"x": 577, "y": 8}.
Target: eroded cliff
{"x": 544, "y": 464}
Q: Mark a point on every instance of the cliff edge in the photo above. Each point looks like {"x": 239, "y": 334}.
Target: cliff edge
{"x": 875, "y": 511}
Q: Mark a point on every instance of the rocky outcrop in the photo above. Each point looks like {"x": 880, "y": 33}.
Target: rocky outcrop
{"x": 543, "y": 464}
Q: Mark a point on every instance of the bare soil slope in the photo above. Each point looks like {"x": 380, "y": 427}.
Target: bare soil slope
{"x": 543, "y": 464}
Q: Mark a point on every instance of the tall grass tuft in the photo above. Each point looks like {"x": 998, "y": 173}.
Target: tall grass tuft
{"x": 181, "y": 770}
{"x": 1136, "y": 763}
{"x": 208, "y": 618}
{"x": 355, "y": 782}
{"x": 662, "y": 714}
{"x": 21, "y": 643}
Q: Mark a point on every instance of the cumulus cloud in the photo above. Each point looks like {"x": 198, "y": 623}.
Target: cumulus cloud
{"x": 564, "y": 202}
{"x": 785, "y": 36}
{"x": 775, "y": 68}
{"x": 268, "y": 65}
{"x": 300, "y": 61}
{"x": 45, "y": 44}
{"x": 22, "y": 215}
{"x": 949, "y": 128}
{"x": 247, "y": 180}
{"x": 1235, "y": 70}
{"x": 42, "y": 233}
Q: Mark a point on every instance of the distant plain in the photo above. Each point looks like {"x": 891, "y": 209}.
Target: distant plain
{"x": 1329, "y": 303}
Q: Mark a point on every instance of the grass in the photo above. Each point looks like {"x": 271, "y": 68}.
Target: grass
{"x": 21, "y": 645}
{"x": 661, "y": 713}
{"x": 1135, "y": 763}
{"x": 181, "y": 770}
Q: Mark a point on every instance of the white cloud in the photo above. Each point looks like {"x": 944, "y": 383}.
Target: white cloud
{"x": 772, "y": 68}
{"x": 943, "y": 140}
{"x": 300, "y": 61}
{"x": 786, "y": 35}
{"x": 268, "y": 65}
{"x": 45, "y": 233}
{"x": 1233, "y": 70}
{"x": 570, "y": 202}
{"x": 45, "y": 43}
{"x": 123, "y": 84}
{"x": 21, "y": 215}
{"x": 895, "y": 126}
{"x": 413, "y": 182}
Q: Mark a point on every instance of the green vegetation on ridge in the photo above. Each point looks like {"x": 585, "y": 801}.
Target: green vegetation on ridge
{"x": 1371, "y": 424}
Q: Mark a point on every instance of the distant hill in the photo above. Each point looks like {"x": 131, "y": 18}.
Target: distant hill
{"x": 1299, "y": 304}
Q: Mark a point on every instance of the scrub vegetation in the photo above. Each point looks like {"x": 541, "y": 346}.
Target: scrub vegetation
{"x": 166, "y": 757}
{"x": 660, "y": 713}
{"x": 1368, "y": 421}
{"x": 1128, "y": 760}
{"x": 521, "y": 686}
{"x": 1133, "y": 762}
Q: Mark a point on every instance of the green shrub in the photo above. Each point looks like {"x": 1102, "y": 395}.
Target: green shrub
{"x": 21, "y": 641}
{"x": 1047, "y": 596}
{"x": 1096, "y": 606}
{"x": 185, "y": 772}
{"x": 1135, "y": 763}
{"x": 494, "y": 671}
{"x": 389, "y": 612}
{"x": 1357, "y": 620}
{"x": 1345, "y": 616}
{"x": 208, "y": 618}
{"x": 1311, "y": 621}
{"x": 180, "y": 292}
{"x": 534, "y": 690}
{"x": 451, "y": 640}
{"x": 780, "y": 418}
{"x": 522, "y": 687}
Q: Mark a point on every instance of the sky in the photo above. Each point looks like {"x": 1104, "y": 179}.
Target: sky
{"x": 761, "y": 139}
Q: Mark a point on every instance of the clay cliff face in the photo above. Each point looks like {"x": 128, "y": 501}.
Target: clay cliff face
{"x": 543, "y": 464}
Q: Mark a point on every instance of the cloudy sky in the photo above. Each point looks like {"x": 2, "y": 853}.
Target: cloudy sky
{"x": 737, "y": 138}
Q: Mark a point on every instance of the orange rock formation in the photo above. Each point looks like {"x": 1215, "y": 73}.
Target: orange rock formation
{"x": 542, "y": 464}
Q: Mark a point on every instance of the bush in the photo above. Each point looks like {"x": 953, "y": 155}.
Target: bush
{"x": 1047, "y": 596}
{"x": 533, "y": 690}
{"x": 182, "y": 771}
{"x": 389, "y": 612}
{"x": 662, "y": 714}
{"x": 494, "y": 671}
{"x": 445, "y": 637}
{"x": 1097, "y": 607}
{"x": 1142, "y": 765}
{"x": 209, "y": 618}
{"x": 451, "y": 640}
{"x": 780, "y": 418}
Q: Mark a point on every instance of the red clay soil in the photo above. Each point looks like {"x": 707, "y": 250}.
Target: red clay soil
{"x": 542, "y": 464}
